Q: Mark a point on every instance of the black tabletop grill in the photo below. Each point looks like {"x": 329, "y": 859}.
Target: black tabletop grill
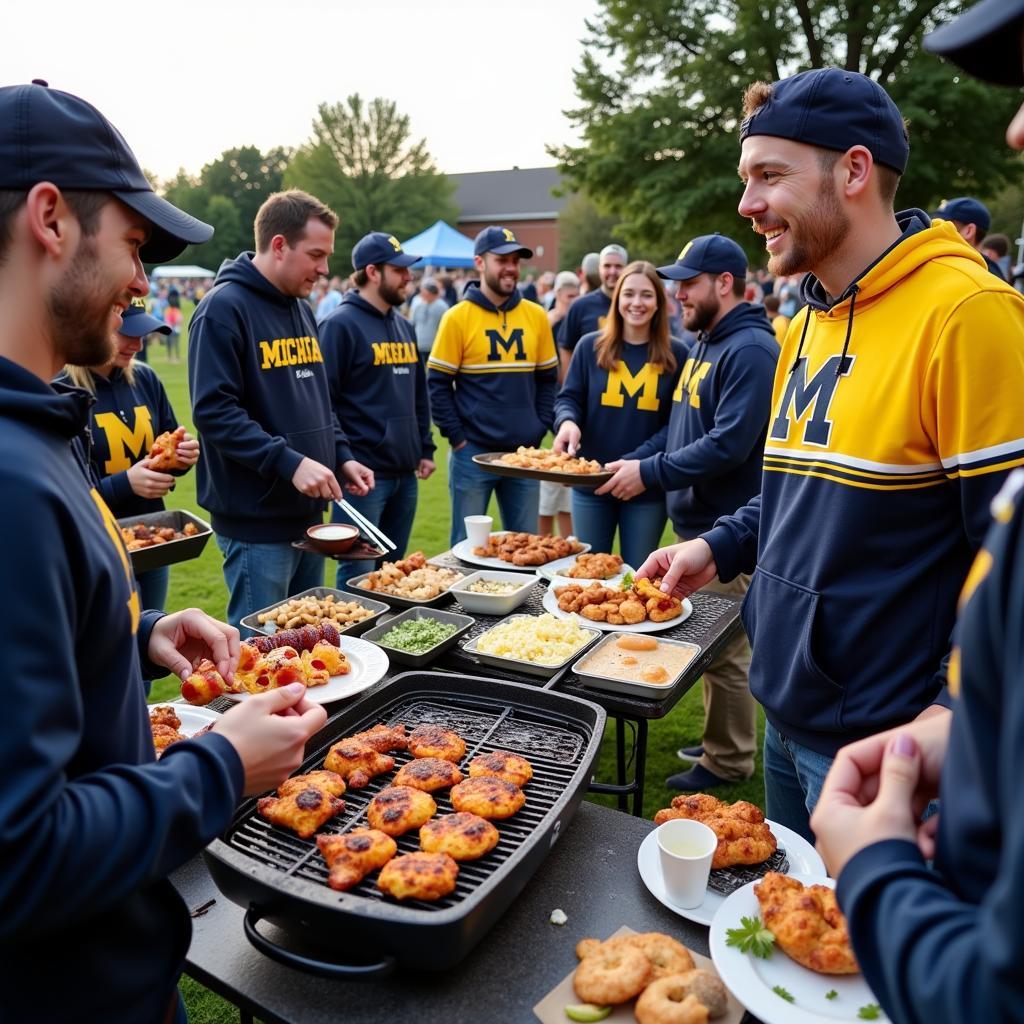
{"x": 283, "y": 878}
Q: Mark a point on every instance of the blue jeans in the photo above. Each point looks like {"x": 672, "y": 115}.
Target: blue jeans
{"x": 153, "y": 587}
{"x": 471, "y": 488}
{"x": 640, "y": 523}
{"x": 391, "y": 505}
{"x": 793, "y": 777}
{"x": 259, "y": 575}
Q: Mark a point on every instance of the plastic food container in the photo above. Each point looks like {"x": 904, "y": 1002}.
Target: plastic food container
{"x": 493, "y": 604}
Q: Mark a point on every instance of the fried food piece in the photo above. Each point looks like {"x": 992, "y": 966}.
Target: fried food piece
{"x": 594, "y": 566}
{"x": 428, "y": 774}
{"x": 329, "y": 782}
{"x": 807, "y": 923}
{"x": 611, "y": 974}
{"x": 353, "y": 856}
{"x": 326, "y": 657}
{"x": 666, "y": 955}
{"x": 436, "y": 741}
{"x": 399, "y": 809}
{"x": 384, "y": 738}
{"x": 660, "y": 607}
{"x": 357, "y": 762}
{"x": 462, "y": 836}
{"x": 302, "y": 808}
{"x": 690, "y": 997}
{"x": 164, "y": 714}
{"x": 502, "y": 764}
{"x": 743, "y": 836}
{"x": 164, "y": 736}
{"x": 163, "y": 456}
{"x": 204, "y": 685}
{"x": 704, "y": 805}
{"x": 419, "y": 876}
{"x": 488, "y": 797}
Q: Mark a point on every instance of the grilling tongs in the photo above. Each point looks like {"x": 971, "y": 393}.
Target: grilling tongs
{"x": 365, "y": 525}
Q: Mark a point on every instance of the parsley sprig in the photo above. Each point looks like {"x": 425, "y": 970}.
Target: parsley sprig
{"x": 751, "y": 937}
{"x": 783, "y": 994}
{"x": 870, "y": 1012}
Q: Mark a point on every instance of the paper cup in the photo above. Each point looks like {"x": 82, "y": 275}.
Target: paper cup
{"x": 478, "y": 530}
{"x": 685, "y": 849}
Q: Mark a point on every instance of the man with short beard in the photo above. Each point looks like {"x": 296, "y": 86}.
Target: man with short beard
{"x": 896, "y": 418}
{"x": 492, "y": 375}
{"x": 587, "y": 314}
{"x": 379, "y": 390}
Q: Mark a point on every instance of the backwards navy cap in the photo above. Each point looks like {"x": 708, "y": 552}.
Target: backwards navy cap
{"x": 137, "y": 323}
{"x": 986, "y": 41}
{"x": 707, "y": 254}
{"x": 378, "y": 247}
{"x": 501, "y": 241}
{"x": 966, "y": 211}
{"x": 49, "y": 135}
{"x": 834, "y": 109}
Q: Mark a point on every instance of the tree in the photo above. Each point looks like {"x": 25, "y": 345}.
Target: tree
{"x": 361, "y": 163}
{"x": 661, "y": 84}
{"x": 583, "y": 228}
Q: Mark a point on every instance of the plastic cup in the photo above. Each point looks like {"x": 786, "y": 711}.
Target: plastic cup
{"x": 478, "y": 530}
{"x": 686, "y": 848}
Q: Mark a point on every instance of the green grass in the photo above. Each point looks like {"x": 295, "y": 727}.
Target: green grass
{"x": 199, "y": 583}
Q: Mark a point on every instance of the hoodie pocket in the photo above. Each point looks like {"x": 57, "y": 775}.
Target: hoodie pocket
{"x": 779, "y": 617}
{"x": 400, "y": 445}
{"x": 281, "y": 497}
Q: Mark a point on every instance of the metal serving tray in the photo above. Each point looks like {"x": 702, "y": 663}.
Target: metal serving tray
{"x": 159, "y": 555}
{"x": 491, "y": 461}
{"x": 652, "y": 691}
{"x": 356, "y": 629}
{"x": 394, "y": 600}
{"x": 463, "y": 624}
{"x": 518, "y": 664}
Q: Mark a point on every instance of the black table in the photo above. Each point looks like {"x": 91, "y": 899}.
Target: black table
{"x": 591, "y": 874}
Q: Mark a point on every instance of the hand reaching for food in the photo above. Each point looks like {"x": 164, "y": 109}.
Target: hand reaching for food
{"x": 568, "y": 438}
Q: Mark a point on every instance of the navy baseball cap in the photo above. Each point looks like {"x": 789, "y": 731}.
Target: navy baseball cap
{"x": 49, "y": 135}
{"x": 986, "y": 41}
{"x": 500, "y": 241}
{"x": 137, "y": 323}
{"x": 966, "y": 211}
{"x": 834, "y": 109}
{"x": 378, "y": 247}
{"x": 707, "y": 254}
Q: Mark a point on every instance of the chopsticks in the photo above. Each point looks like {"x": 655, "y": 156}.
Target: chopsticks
{"x": 365, "y": 525}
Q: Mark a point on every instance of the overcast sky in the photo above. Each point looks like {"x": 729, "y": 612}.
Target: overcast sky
{"x": 484, "y": 83}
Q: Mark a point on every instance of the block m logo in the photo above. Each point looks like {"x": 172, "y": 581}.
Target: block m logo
{"x": 643, "y": 383}
{"x": 816, "y": 396}
{"x": 500, "y": 342}
{"x": 125, "y": 443}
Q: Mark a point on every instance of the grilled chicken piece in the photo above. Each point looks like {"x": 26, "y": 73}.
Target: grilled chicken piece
{"x": 428, "y": 774}
{"x": 384, "y": 738}
{"x": 420, "y": 876}
{"x": 304, "y": 809}
{"x": 502, "y": 764}
{"x": 357, "y": 762}
{"x": 330, "y": 782}
{"x": 399, "y": 809}
{"x": 462, "y": 836}
{"x": 353, "y": 856}
{"x": 436, "y": 741}
{"x": 487, "y": 796}
{"x": 163, "y": 456}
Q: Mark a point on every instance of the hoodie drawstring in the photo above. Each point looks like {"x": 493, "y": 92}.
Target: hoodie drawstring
{"x": 849, "y": 330}
{"x": 800, "y": 347}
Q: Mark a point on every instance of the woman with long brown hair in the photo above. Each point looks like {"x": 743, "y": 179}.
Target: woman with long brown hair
{"x": 617, "y": 394}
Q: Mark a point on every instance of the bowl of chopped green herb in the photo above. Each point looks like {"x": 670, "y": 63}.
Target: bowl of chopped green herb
{"x": 419, "y": 635}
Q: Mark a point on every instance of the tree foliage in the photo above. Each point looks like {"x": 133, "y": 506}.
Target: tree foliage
{"x": 362, "y": 163}
{"x": 583, "y": 228}
{"x": 661, "y": 84}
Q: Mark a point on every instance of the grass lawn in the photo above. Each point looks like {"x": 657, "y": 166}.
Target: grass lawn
{"x": 200, "y": 583}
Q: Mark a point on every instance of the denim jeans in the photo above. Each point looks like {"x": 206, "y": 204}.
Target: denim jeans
{"x": 640, "y": 523}
{"x": 259, "y": 575}
{"x": 391, "y": 505}
{"x": 471, "y": 488}
{"x": 153, "y": 587}
{"x": 793, "y": 777}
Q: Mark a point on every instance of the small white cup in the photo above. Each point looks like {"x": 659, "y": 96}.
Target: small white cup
{"x": 478, "y": 530}
{"x": 686, "y": 848}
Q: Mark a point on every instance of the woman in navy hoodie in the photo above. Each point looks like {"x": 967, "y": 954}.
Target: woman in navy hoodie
{"x": 130, "y": 411}
{"x": 617, "y": 393}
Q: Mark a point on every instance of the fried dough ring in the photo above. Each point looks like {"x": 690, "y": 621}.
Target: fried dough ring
{"x": 611, "y": 975}
{"x": 676, "y": 999}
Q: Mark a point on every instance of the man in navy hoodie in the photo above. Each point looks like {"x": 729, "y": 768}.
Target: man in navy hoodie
{"x": 708, "y": 461}
{"x": 379, "y": 390}
{"x": 91, "y": 823}
{"x": 261, "y": 403}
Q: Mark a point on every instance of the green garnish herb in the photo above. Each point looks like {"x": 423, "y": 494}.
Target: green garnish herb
{"x": 782, "y": 993}
{"x": 751, "y": 937}
{"x": 627, "y": 581}
{"x": 832, "y": 994}
{"x": 417, "y": 636}
{"x": 870, "y": 1012}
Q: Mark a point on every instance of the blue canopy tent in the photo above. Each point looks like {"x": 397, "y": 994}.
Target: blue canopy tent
{"x": 441, "y": 246}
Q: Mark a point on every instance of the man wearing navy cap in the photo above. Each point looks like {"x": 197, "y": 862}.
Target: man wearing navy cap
{"x": 708, "y": 461}
{"x": 971, "y": 219}
{"x": 879, "y": 466}
{"x": 379, "y": 390}
{"x": 492, "y": 375}
{"x": 92, "y": 823}
{"x": 588, "y": 313}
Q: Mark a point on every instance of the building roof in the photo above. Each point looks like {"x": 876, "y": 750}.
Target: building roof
{"x": 522, "y": 193}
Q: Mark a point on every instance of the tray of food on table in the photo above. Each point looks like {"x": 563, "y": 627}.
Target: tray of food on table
{"x": 642, "y": 666}
{"x": 544, "y": 464}
{"x": 538, "y": 645}
{"x": 162, "y": 538}
{"x": 506, "y": 549}
{"x": 418, "y": 636}
{"x": 411, "y": 582}
{"x": 351, "y": 615}
{"x": 631, "y": 606}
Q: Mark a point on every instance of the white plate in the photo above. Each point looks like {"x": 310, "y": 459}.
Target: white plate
{"x": 464, "y": 551}
{"x": 550, "y": 604}
{"x": 750, "y": 979}
{"x": 803, "y": 860}
{"x": 369, "y": 664}
{"x": 552, "y": 572}
{"x": 192, "y": 718}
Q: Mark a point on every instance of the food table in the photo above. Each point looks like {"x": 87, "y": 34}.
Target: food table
{"x": 590, "y": 873}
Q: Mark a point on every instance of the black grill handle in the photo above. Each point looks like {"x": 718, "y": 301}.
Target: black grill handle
{"x": 352, "y": 972}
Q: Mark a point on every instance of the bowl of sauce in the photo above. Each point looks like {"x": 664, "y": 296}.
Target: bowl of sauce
{"x": 332, "y": 538}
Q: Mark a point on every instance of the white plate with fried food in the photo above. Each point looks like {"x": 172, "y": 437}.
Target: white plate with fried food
{"x": 589, "y": 567}
{"x": 776, "y": 989}
{"x": 551, "y": 604}
{"x": 803, "y": 859}
{"x": 562, "y": 551}
{"x": 175, "y": 721}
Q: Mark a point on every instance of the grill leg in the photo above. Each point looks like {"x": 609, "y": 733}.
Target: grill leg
{"x": 620, "y": 762}
{"x": 640, "y": 767}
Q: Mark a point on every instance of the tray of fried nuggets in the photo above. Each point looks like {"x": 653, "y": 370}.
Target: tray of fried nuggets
{"x": 163, "y": 538}
{"x": 544, "y": 464}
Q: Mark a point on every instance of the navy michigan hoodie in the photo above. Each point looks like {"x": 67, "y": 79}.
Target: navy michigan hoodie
{"x": 378, "y": 386}
{"x": 708, "y": 458}
{"x": 90, "y": 823}
{"x": 261, "y": 404}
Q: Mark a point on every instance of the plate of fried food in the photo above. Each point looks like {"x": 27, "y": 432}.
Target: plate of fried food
{"x": 590, "y": 566}
{"x": 544, "y": 464}
{"x": 749, "y": 846}
{"x": 408, "y": 583}
{"x": 527, "y": 551}
{"x": 172, "y": 723}
{"x": 638, "y": 606}
{"x": 782, "y": 947}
